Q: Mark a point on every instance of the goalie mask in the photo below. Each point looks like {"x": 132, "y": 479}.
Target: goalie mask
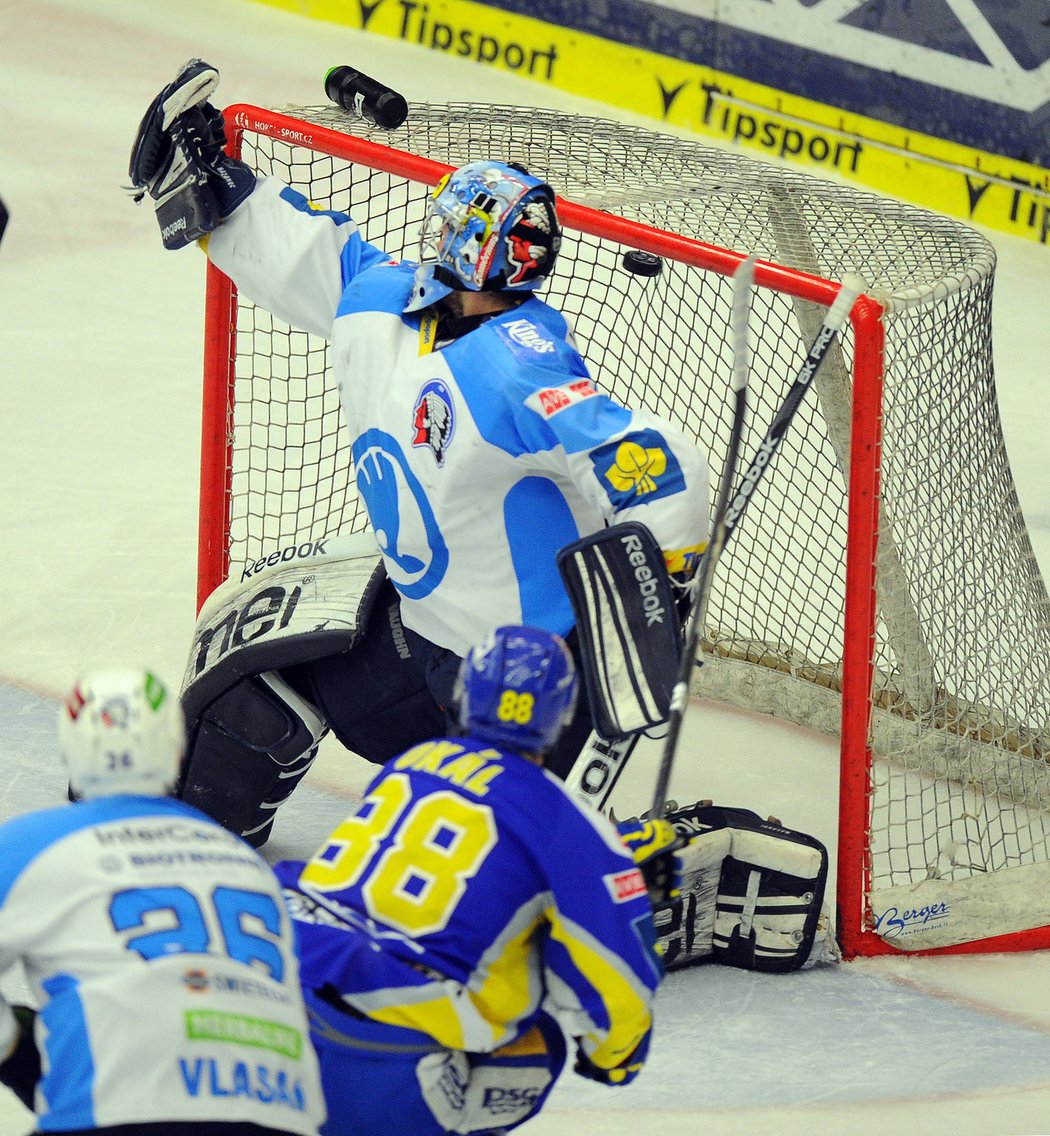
{"x": 517, "y": 689}
{"x": 490, "y": 227}
{"x": 121, "y": 732}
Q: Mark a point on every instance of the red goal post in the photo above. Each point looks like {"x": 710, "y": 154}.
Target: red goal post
{"x": 827, "y": 610}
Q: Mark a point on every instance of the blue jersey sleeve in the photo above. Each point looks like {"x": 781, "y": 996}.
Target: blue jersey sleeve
{"x": 601, "y": 950}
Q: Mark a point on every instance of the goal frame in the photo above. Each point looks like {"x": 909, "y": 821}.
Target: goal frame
{"x": 859, "y": 629}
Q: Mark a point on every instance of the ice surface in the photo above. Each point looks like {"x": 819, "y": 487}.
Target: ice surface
{"x": 100, "y": 342}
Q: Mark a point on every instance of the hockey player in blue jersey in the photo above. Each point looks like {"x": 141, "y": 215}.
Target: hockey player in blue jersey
{"x": 472, "y": 918}
{"x": 155, "y": 944}
{"x": 481, "y": 445}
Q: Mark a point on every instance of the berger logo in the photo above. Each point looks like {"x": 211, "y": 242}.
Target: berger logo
{"x": 897, "y": 923}
{"x": 625, "y": 886}
{"x": 554, "y": 399}
{"x": 526, "y": 334}
{"x": 434, "y": 420}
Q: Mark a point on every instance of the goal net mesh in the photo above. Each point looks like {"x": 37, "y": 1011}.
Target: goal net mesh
{"x": 960, "y": 699}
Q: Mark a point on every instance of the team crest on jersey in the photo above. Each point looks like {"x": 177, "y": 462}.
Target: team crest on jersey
{"x": 434, "y": 419}
{"x": 638, "y": 468}
{"x": 552, "y": 400}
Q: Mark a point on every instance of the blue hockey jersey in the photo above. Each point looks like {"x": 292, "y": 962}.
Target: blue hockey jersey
{"x": 158, "y": 949}
{"x": 476, "y": 460}
{"x": 470, "y": 890}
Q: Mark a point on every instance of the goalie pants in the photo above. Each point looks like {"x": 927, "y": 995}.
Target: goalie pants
{"x": 394, "y": 689}
{"x": 398, "y": 1082}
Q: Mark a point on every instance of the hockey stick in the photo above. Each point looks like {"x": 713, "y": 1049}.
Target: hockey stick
{"x": 743, "y": 279}
{"x": 597, "y": 769}
{"x": 728, "y": 514}
{"x": 850, "y": 288}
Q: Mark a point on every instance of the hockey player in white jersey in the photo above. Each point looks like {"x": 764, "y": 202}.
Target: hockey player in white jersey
{"x": 481, "y": 445}
{"x": 155, "y": 944}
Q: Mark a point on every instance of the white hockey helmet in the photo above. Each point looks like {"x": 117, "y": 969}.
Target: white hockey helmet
{"x": 121, "y": 731}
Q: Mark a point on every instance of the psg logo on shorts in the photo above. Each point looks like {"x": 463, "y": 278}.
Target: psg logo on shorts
{"x": 433, "y": 419}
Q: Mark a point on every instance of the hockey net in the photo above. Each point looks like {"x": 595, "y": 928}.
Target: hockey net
{"x": 882, "y": 585}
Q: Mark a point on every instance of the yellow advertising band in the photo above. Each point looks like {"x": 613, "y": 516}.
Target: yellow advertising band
{"x": 988, "y": 189}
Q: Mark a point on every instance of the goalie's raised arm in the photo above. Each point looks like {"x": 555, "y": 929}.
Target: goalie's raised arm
{"x": 178, "y": 159}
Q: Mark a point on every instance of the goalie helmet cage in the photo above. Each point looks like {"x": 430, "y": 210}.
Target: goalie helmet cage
{"x": 881, "y": 587}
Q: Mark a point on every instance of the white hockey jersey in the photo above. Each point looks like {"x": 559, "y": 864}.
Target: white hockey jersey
{"x": 477, "y": 460}
{"x": 160, "y": 954}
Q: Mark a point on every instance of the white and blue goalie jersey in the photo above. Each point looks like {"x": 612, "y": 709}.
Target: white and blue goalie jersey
{"x": 476, "y": 461}
{"x": 161, "y": 957}
{"x": 469, "y": 891}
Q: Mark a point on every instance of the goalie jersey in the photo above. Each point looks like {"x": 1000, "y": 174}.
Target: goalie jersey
{"x": 160, "y": 954}
{"x": 458, "y": 448}
{"x": 469, "y": 891}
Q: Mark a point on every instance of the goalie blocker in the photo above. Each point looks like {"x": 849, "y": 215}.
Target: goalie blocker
{"x": 752, "y": 894}
{"x": 627, "y": 622}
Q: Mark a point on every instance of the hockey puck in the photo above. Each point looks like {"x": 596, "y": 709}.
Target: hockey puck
{"x": 642, "y": 263}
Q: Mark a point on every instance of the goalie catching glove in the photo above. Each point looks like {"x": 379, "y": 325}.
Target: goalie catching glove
{"x": 752, "y": 894}
{"x": 178, "y": 158}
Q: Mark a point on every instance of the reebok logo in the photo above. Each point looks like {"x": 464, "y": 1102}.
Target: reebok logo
{"x": 173, "y": 228}
{"x": 648, "y": 583}
{"x": 284, "y": 555}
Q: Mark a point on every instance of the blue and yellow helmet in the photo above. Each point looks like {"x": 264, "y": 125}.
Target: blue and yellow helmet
{"x": 490, "y": 227}
{"x": 517, "y": 689}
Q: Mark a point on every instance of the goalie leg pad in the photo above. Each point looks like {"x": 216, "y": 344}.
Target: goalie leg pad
{"x": 252, "y": 746}
{"x": 752, "y": 893}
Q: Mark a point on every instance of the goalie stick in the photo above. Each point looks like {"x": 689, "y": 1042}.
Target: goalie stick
{"x": 596, "y": 771}
{"x": 743, "y": 279}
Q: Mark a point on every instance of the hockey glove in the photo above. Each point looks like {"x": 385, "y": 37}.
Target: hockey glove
{"x": 654, "y": 845}
{"x": 178, "y": 158}
{"x": 622, "y": 1074}
{"x": 20, "y": 1070}
{"x": 752, "y": 894}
